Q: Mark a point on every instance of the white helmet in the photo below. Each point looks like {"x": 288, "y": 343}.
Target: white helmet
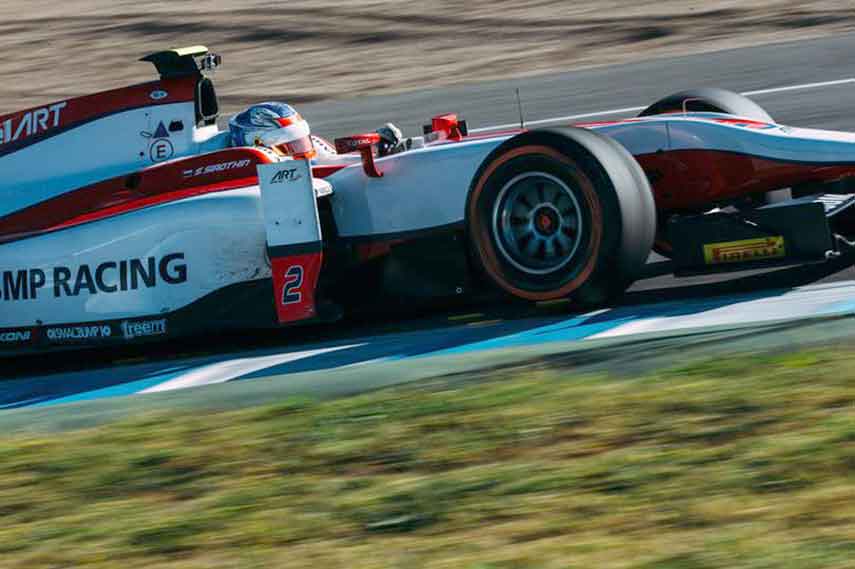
{"x": 274, "y": 125}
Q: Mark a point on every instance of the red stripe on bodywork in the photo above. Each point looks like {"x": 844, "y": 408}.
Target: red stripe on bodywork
{"x": 84, "y": 109}
{"x": 324, "y": 171}
{"x": 156, "y": 185}
{"x": 743, "y": 122}
{"x": 692, "y": 179}
{"x": 159, "y": 199}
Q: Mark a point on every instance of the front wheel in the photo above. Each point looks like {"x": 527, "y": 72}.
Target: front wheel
{"x": 559, "y": 213}
{"x": 708, "y": 100}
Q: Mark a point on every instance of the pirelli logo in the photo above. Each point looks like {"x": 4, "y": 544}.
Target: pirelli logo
{"x": 745, "y": 250}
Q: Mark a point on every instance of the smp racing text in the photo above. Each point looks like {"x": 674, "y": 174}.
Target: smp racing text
{"x": 106, "y": 278}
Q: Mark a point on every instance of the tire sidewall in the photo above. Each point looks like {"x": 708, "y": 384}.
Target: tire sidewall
{"x": 591, "y": 186}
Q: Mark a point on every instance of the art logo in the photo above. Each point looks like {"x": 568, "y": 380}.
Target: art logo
{"x": 289, "y": 175}
{"x": 30, "y": 123}
{"x": 108, "y": 277}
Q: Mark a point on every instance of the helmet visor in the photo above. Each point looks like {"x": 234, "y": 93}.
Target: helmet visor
{"x": 299, "y": 148}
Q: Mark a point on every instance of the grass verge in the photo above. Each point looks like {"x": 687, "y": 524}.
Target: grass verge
{"x": 727, "y": 463}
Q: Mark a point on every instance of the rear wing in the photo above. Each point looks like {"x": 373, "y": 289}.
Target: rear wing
{"x": 191, "y": 62}
{"x": 179, "y": 62}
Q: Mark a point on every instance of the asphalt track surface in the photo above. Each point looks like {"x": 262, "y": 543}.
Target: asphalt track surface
{"x": 780, "y": 72}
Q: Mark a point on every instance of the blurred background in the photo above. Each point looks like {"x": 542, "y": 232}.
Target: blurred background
{"x": 310, "y": 50}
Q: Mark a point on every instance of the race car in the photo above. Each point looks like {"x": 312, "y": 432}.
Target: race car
{"x": 130, "y": 215}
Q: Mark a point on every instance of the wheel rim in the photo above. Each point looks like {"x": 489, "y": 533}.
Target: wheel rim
{"x": 537, "y": 223}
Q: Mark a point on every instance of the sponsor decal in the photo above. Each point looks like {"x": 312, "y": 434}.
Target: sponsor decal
{"x": 15, "y": 337}
{"x": 161, "y": 148}
{"x": 353, "y": 143}
{"x": 89, "y": 332}
{"x": 214, "y": 168}
{"x": 105, "y": 278}
{"x": 745, "y": 250}
{"x": 143, "y": 328}
{"x": 287, "y": 175}
{"x": 158, "y": 94}
{"x": 33, "y": 122}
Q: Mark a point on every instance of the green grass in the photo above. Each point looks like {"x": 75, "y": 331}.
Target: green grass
{"x": 748, "y": 462}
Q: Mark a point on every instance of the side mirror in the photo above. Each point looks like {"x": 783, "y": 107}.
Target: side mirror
{"x": 446, "y": 127}
{"x": 365, "y": 144}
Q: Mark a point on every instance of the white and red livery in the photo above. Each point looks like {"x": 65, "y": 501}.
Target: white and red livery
{"x": 129, "y": 215}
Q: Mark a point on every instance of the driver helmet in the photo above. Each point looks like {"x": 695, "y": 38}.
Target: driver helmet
{"x": 273, "y": 125}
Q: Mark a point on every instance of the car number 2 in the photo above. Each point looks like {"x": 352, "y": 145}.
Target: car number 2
{"x": 293, "y": 281}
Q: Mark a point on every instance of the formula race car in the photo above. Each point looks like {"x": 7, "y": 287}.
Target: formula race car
{"x": 130, "y": 215}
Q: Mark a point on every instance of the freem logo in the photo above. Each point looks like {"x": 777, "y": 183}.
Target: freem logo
{"x": 143, "y": 328}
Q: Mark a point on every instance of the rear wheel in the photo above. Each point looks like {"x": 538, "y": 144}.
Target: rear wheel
{"x": 558, "y": 213}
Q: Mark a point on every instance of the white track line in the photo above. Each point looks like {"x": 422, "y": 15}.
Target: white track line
{"x": 802, "y": 302}
{"x": 228, "y": 370}
{"x": 570, "y": 118}
{"x": 800, "y": 87}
